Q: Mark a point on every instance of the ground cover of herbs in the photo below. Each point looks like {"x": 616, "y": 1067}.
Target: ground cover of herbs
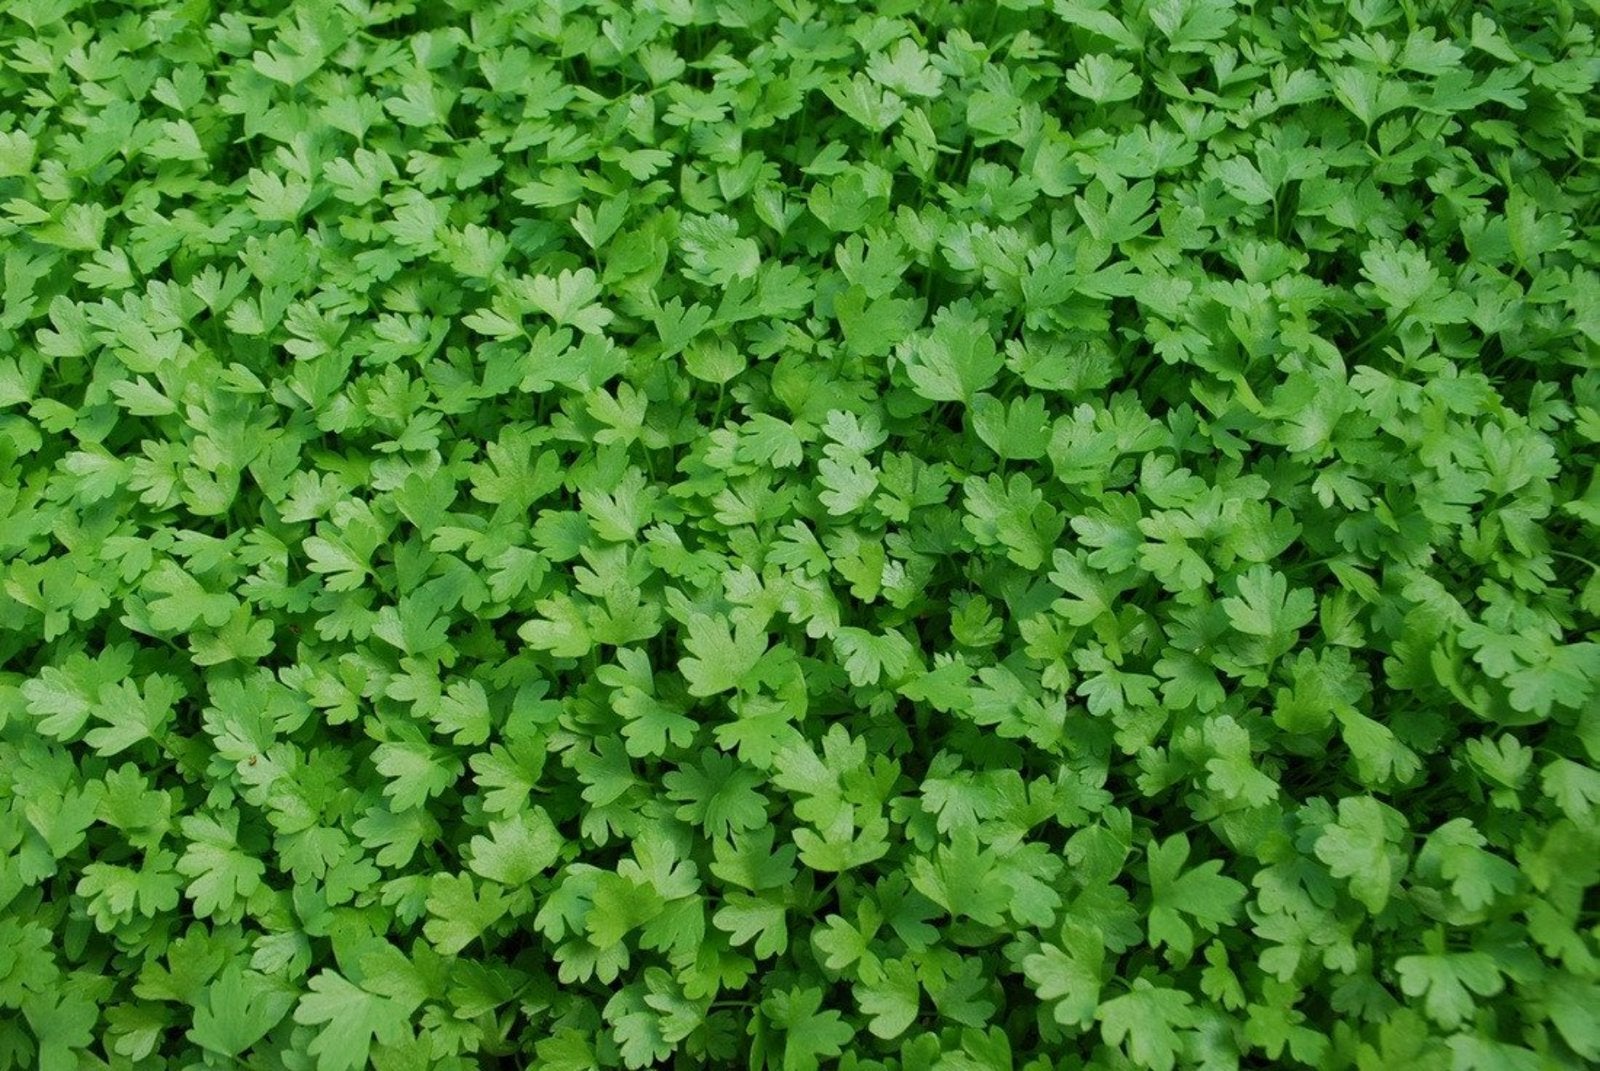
{"x": 583, "y": 534}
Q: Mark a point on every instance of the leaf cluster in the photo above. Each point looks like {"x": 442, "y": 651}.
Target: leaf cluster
{"x": 1009, "y": 536}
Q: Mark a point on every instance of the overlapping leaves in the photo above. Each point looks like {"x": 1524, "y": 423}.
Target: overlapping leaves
{"x": 763, "y": 533}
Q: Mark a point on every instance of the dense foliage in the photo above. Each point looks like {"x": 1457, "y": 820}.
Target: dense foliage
{"x": 577, "y": 534}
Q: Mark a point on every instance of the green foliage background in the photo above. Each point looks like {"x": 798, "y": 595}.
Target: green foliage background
{"x": 757, "y": 533}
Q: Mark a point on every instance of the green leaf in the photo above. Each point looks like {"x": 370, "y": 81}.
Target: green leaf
{"x": 809, "y": 1034}
{"x": 1359, "y": 847}
{"x": 349, "y": 1019}
{"x": 891, "y": 1003}
{"x": 722, "y": 653}
{"x": 221, "y": 874}
{"x": 1202, "y": 894}
{"x": 517, "y": 849}
{"x": 570, "y": 298}
{"x": 1145, "y": 1022}
{"x": 1069, "y": 976}
{"x": 1266, "y": 607}
{"x": 63, "y": 1025}
{"x": 131, "y": 717}
{"x": 459, "y": 912}
{"x": 238, "y": 1010}
{"x": 1017, "y": 432}
{"x": 1446, "y": 983}
{"x": 954, "y": 361}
